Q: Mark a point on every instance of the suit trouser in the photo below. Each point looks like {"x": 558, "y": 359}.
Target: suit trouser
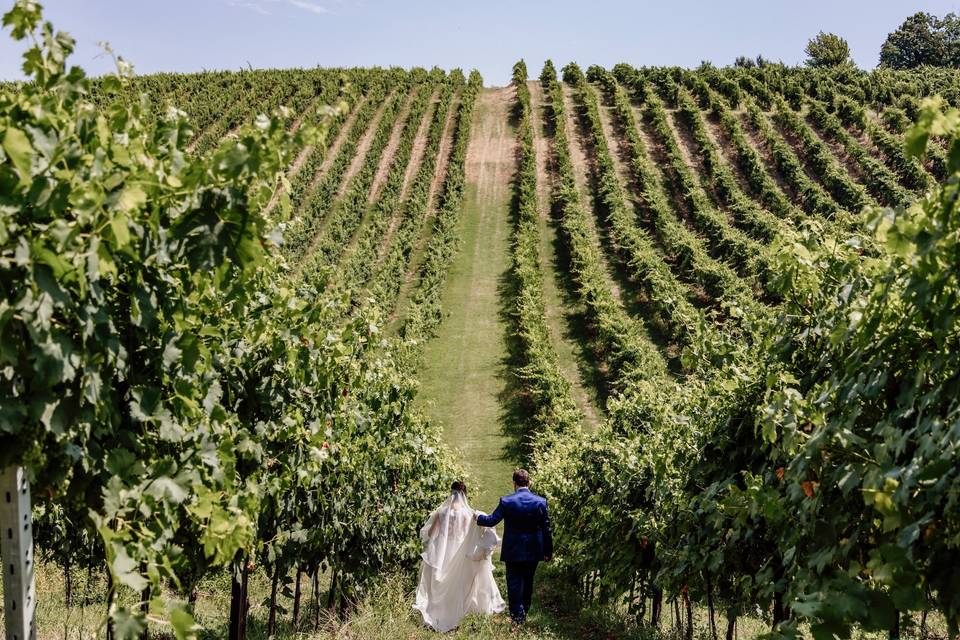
{"x": 520, "y": 588}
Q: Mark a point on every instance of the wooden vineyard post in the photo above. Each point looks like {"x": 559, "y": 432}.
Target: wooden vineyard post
{"x": 16, "y": 549}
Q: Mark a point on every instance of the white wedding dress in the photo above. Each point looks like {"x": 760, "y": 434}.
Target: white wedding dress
{"x": 456, "y": 576}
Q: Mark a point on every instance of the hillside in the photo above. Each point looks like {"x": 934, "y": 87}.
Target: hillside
{"x": 583, "y": 274}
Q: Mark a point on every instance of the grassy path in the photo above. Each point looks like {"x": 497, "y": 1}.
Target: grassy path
{"x": 464, "y": 374}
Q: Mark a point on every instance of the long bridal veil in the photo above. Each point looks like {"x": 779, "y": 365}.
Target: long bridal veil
{"x": 456, "y": 575}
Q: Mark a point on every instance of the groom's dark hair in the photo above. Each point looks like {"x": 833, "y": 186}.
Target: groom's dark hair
{"x": 521, "y": 478}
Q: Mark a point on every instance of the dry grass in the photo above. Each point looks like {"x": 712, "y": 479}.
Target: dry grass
{"x": 386, "y": 614}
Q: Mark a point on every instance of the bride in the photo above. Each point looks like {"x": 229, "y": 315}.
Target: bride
{"x": 456, "y": 576}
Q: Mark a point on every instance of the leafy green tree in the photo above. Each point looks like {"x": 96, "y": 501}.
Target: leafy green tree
{"x": 920, "y": 40}
{"x": 827, "y": 50}
{"x": 950, "y": 28}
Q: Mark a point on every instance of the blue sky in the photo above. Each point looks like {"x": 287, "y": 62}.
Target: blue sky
{"x": 489, "y": 35}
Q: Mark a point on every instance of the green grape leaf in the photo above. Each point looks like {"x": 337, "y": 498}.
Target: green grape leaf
{"x": 125, "y": 569}
{"x": 916, "y": 141}
{"x": 18, "y": 148}
{"x": 132, "y": 197}
{"x": 184, "y": 627}
{"x": 120, "y": 226}
{"x": 127, "y": 625}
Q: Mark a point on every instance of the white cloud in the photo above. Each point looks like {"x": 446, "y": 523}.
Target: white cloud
{"x": 306, "y": 5}
{"x": 260, "y": 6}
{"x": 256, "y": 7}
{"x": 253, "y": 6}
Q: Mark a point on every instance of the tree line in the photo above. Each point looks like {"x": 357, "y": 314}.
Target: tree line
{"x": 922, "y": 40}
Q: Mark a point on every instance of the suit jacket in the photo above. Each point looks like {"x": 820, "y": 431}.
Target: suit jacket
{"x": 527, "y": 536}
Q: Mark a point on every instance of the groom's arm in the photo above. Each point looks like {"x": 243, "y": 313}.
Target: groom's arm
{"x": 493, "y": 519}
{"x": 547, "y": 533}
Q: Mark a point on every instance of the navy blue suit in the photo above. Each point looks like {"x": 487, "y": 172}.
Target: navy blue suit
{"x": 527, "y": 539}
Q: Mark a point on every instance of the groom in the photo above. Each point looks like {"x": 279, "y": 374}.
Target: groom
{"x": 527, "y": 539}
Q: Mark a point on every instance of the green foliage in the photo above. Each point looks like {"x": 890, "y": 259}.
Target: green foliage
{"x": 895, "y": 119}
{"x": 345, "y": 214}
{"x": 827, "y": 50}
{"x": 625, "y": 347}
{"x": 812, "y": 195}
{"x": 387, "y": 282}
{"x": 181, "y": 405}
{"x": 361, "y": 259}
{"x": 881, "y": 181}
{"x": 552, "y": 406}
{"x": 746, "y": 62}
{"x": 814, "y": 469}
{"x": 838, "y": 182}
{"x": 923, "y": 40}
{"x": 721, "y": 178}
{"x": 425, "y": 312}
{"x": 748, "y": 159}
{"x": 725, "y": 239}
{"x": 689, "y": 249}
{"x": 313, "y": 197}
{"x": 864, "y": 407}
{"x": 195, "y": 373}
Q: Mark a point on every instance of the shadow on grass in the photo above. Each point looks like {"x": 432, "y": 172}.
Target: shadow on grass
{"x": 576, "y": 325}
{"x": 557, "y": 614}
{"x": 517, "y": 406}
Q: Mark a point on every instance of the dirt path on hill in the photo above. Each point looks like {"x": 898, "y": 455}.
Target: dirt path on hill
{"x": 333, "y": 148}
{"x": 755, "y": 139}
{"x": 338, "y": 142}
{"x": 693, "y": 159}
{"x": 446, "y": 148}
{"x": 388, "y": 162}
{"x": 419, "y": 148}
{"x": 728, "y": 154}
{"x": 417, "y": 158}
{"x": 638, "y": 299}
{"x": 298, "y": 121}
{"x": 843, "y": 158}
